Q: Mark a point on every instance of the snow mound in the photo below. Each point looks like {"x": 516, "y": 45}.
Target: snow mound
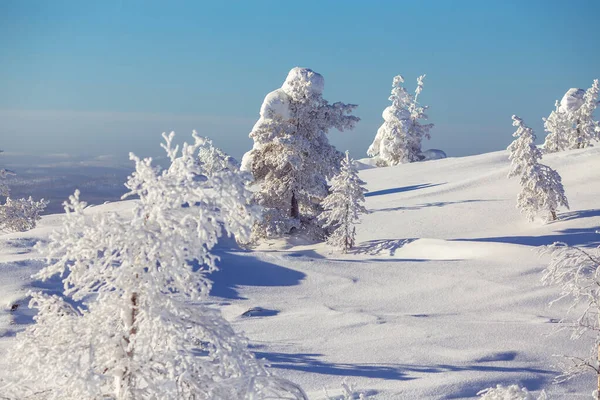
{"x": 433, "y": 154}
{"x": 572, "y": 100}
{"x": 276, "y": 104}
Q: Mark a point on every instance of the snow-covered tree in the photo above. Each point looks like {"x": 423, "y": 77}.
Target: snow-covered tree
{"x": 292, "y": 159}
{"x": 399, "y": 138}
{"x": 342, "y": 208}
{"x": 18, "y": 215}
{"x": 558, "y": 127}
{"x": 541, "y": 186}
{"x": 212, "y": 159}
{"x": 512, "y": 392}
{"x": 577, "y": 272}
{"x": 144, "y": 329}
{"x": 571, "y": 125}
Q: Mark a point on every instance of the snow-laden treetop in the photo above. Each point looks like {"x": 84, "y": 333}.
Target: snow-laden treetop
{"x": 572, "y": 100}
{"x": 277, "y": 103}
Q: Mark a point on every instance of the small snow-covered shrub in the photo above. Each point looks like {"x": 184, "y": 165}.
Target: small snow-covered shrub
{"x": 512, "y": 392}
{"x": 348, "y": 392}
{"x": 20, "y": 215}
{"x": 398, "y": 139}
{"x": 144, "y": 330}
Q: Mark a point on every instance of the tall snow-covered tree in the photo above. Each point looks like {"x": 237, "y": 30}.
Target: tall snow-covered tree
{"x": 292, "y": 159}
{"x": 213, "y": 160}
{"x": 576, "y": 271}
{"x": 144, "y": 330}
{"x": 341, "y": 208}
{"x": 541, "y": 186}
{"x": 399, "y": 138}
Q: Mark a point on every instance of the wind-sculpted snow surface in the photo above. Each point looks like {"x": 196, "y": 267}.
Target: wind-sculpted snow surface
{"x": 441, "y": 299}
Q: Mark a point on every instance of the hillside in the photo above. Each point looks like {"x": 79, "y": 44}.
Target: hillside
{"x": 441, "y": 298}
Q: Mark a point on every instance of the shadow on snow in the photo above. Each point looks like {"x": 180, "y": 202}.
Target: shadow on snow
{"x": 401, "y": 189}
{"x": 237, "y": 270}
{"x": 587, "y": 237}
{"x": 312, "y": 363}
{"x": 427, "y": 205}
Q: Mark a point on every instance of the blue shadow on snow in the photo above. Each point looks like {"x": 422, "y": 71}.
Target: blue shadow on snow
{"x": 236, "y": 270}
{"x": 401, "y": 189}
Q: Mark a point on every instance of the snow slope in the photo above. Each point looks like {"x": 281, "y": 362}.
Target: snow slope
{"x": 441, "y": 298}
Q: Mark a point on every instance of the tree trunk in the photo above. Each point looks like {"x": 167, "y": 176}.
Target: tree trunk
{"x": 598, "y": 375}
{"x": 124, "y": 381}
{"x": 553, "y": 213}
{"x": 294, "y": 210}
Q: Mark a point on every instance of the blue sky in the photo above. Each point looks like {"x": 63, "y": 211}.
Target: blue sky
{"x": 107, "y": 77}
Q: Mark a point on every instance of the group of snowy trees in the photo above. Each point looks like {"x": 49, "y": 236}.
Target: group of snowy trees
{"x": 571, "y": 125}
{"x": 17, "y": 215}
{"x": 292, "y": 160}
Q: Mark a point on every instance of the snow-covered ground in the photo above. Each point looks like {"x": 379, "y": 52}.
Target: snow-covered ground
{"x": 441, "y": 298}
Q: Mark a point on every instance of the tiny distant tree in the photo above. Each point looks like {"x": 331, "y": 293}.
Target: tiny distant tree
{"x": 576, "y": 271}
{"x": 4, "y": 191}
{"x": 213, "y": 160}
{"x": 145, "y": 330}
{"x": 18, "y": 215}
{"x": 292, "y": 159}
{"x": 399, "y": 138}
{"x": 541, "y": 186}
{"x": 342, "y": 208}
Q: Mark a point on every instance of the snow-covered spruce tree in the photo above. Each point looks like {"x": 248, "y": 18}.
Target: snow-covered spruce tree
{"x": 399, "y": 138}
{"x": 292, "y": 159}
{"x": 512, "y": 392}
{"x": 558, "y": 127}
{"x": 145, "y": 330}
{"x": 341, "y": 208}
{"x": 577, "y": 272}
{"x": 18, "y": 215}
{"x": 541, "y": 186}
{"x": 213, "y": 160}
